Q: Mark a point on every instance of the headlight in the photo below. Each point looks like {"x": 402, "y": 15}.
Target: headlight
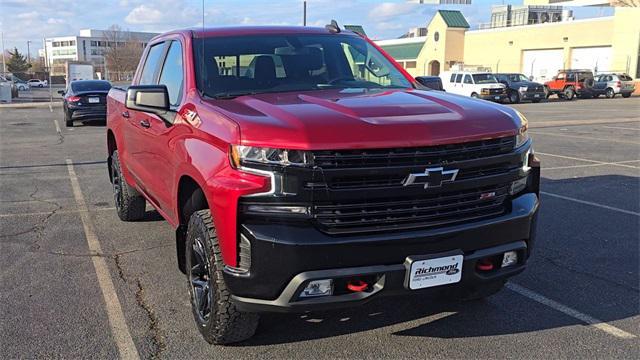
{"x": 523, "y": 89}
{"x": 523, "y": 134}
{"x": 246, "y": 155}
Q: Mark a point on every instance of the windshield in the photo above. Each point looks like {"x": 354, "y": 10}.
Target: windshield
{"x": 233, "y": 66}
{"x": 484, "y": 79}
{"x": 79, "y": 86}
{"x": 518, "y": 78}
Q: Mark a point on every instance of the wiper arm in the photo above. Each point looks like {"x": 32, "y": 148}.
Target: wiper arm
{"x": 232, "y": 95}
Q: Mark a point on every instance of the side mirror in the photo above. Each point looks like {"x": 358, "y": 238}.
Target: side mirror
{"x": 151, "y": 99}
{"x": 61, "y": 92}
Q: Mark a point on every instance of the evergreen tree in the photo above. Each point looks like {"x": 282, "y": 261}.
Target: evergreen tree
{"x": 17, "y": 62}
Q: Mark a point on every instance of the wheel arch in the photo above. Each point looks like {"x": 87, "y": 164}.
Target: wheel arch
{"x": 190, "y": 198}
{"x": 111, "y": 147}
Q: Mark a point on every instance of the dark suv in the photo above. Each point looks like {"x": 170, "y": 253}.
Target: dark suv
{"x": 570, "y": 83}
{"x": 519, "y": 87}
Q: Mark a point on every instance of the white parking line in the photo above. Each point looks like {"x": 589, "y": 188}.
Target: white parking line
{"x": 584, "y": 137}
{"x": 620, "y": 163}
{"x": 621, "y": 128}
{"x": 57, "y": 126}
{"x": 119, "y": 328}
{"x": 598, "y": 324}
{"x": 591, "y": 165}
{"x": 628, "y": 212}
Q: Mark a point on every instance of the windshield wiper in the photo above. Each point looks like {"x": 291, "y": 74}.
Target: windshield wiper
{"x": 232, "y": 95}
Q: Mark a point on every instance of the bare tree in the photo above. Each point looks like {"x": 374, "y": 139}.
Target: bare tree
{"x": 122, "y": 53}
{"x": 626, "y": 3}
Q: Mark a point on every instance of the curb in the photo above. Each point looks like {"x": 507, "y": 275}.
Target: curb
{"x": 30, "y": 105}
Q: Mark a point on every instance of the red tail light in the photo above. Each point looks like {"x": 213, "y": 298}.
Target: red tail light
{"x": 73, "y": 98}
{"x": 618, "y": 84}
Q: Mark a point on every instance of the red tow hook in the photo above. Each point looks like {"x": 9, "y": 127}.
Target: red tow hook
{"x": 357, "y": 285}
{"x": 484, "y": 265}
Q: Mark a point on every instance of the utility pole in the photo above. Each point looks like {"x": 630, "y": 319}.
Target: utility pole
{"x": 28, "y": 52}
{"x": 4, "y": 61}
{"x": 47, "y": 68}
{"x": 304, "y": 13}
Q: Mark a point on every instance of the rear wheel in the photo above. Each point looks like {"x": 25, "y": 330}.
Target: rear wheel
{"x": 68, "y": 118}
{"x": 130, "y": 205}
{"x": 610, "y": 94}
{"x": 474, "y": 95}
{"x": 569, "y": 93}
{"x": 217, "y": 318}
{"x": 514, "y": 97}
{"x": 626, "y": 95}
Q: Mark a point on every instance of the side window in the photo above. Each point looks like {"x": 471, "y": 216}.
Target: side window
{"x": 609, "y": 78}
{"x": 560, "y": 76}
{"x": 458, "y": 78}
{"x": 453, "y": 78}
{"x": 172, "y": 74}
{"x": 571, "y": 77}
{"x": 467, "y": 79}
{"x": 151, "y": 64}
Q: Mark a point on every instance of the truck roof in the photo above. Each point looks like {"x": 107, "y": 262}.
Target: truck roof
{"x": 253, "y": 30}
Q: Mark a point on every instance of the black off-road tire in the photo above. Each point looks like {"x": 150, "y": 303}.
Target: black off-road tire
{"x": 569, "y": 93}
{"x": 626, "y": 95}
{"x": 514, "y": 97}
{"x": 475, "y": 96}
{"x": 225, "y": 324}
{"x": 477, "y": 292}
{"x": 130, "y": 205}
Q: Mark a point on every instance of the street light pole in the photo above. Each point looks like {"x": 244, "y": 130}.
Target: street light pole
{"x": 304, "y": 13}
{"x": 4, "y": 61}
{"x": 28, "y": 52}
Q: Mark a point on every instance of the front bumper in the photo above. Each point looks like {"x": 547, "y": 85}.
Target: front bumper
{"x": 533, "y": 95}
{"x": 286, "y": 257}
{"x": 493, "y": 97}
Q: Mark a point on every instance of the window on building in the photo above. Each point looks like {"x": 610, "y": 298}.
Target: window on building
{"x": 410, "y": 65}
{"x": 436, "y": 36}
{"x": 72, "y": 43}
{"x": 56, "y": 44}
{"x": 172, "y": 73}
{"x": 94, "y": 43}
{"x": 151, "y": 63}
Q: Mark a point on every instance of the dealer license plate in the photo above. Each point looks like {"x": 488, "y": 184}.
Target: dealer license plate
{"x": 536, "y": 95}
{"x": 94, "y": 100}
{"x": 434, "y": 272}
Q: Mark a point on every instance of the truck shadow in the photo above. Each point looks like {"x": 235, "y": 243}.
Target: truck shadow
{"x": 569, "y": 265}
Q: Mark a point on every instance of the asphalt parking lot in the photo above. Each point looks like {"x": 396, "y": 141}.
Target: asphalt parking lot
{"x": 579, "y": 297}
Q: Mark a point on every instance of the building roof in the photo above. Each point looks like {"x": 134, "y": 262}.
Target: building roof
{"x": 356, "y": 29}
{"x": 454, "y": 19}
{"x": 408, "y": 51}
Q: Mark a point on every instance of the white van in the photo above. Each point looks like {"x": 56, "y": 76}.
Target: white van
{"x": 479, "y": 85}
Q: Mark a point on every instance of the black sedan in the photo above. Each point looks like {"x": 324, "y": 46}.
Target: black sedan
{"x": 85, "y": 99}
{"x": 432, "y": 82}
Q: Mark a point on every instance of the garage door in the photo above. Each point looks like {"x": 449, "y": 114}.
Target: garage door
{"x": 597, "y": 59}
{"x": 542, "y": 64}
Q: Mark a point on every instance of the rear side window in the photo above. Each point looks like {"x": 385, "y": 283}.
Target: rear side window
{"x": 172, "y": 73}
{"x": 625, "y": 78}
{"x": 459, "y": 78}
{"x": 467, "y": 79}
{"x": 453, "y": 77}
{"x": 151, "y": 64}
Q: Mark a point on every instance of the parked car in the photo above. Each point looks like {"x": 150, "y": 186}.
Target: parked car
{"x": 335, "y": 183}
{"x": 478, "y": 85}
{"x": 519, "y": 88}
{"x": 432, "y": 82}
{"x": 612, "y": 84}
{"x": 21, "y": 85}
{"x": 37, "y": 83}
{"x": 14, "y": 88}
{"x": 570, "y": 83}
{"x": 85, "y": 99}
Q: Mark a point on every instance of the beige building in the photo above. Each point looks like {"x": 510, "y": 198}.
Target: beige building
{"x": 604, "y": 44}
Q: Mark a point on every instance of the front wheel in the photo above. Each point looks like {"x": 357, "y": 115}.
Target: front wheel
{"x": 514, "y": 97}
{"x": 218, "y": 319}
{"x": 130, "y": 205}
{"x": 474, "y": 95}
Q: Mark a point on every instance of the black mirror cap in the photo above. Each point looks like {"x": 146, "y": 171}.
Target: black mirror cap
{"x": 61, "y": 92}
{"x": 148, "y": 98}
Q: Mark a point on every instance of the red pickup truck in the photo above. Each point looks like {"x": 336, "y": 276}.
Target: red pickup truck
{"x": 304, "y": 169}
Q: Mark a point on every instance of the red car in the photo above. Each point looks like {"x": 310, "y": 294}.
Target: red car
{"x": 302, "y": 169}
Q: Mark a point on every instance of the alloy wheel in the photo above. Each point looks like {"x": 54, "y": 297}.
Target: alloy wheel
{"x": 200, "y": 280}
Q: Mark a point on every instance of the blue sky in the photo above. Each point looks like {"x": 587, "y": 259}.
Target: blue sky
{"x": 22, "y": 20}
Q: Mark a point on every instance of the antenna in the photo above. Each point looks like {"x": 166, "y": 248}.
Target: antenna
{"x": 201, "y": 73}
{"x": 333, "y": 27}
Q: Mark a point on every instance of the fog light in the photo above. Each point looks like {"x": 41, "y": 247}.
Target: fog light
{"x": 295, "y": 210}
{"x": 518, "y": 186}
{"x": 509, "y": 258}
{"x": 318, "y": 288}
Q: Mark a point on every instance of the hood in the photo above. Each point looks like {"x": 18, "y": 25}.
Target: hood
{"x": 526, "y": 83}
{"x": 357, "y": 118}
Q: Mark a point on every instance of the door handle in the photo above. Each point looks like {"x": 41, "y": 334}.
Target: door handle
{"x": 145, "y": 124}
{"x": 125, "y": 114}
